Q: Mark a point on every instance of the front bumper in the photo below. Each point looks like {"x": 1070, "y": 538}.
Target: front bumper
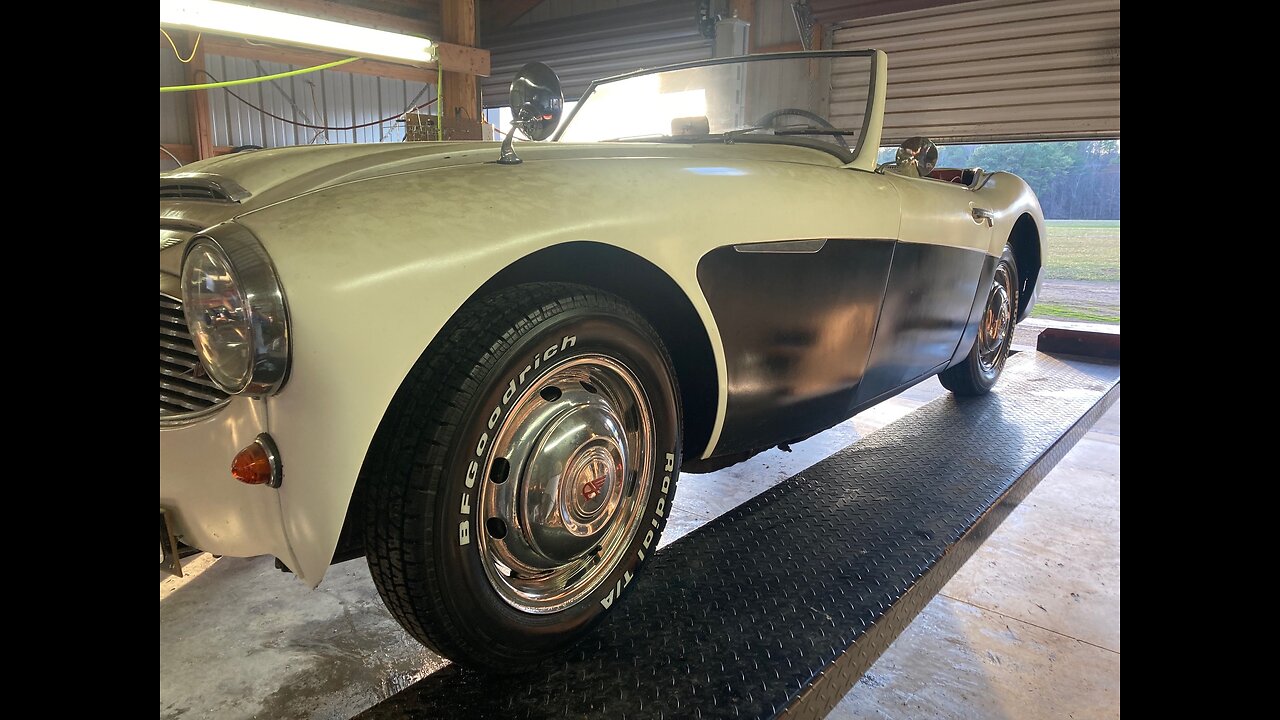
{"x": 208, "y": 509}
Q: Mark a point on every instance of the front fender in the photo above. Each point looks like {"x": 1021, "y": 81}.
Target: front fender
{"x": 374, "y": 268}
{"x": 1014, "y": 199}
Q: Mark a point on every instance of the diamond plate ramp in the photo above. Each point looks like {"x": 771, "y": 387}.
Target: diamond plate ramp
{"x": 779, "y": 606}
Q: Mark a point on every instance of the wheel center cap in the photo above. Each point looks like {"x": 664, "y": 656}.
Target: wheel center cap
{"x": 593, "y": 482}
{"x": 996, "y": 315}
{"x": 574, "y": 483}
{"x": 594, "y": 478}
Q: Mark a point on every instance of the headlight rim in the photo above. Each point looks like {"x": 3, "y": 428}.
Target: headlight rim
{"x": 265, "y": 303}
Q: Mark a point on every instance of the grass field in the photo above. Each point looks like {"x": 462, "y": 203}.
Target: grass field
{"x": 1083, "y": 250}
{"x": 1082, "y": 271}
{"x": 1078, "y": 314}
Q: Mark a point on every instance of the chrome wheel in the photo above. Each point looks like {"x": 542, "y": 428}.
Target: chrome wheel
{"x": 996, "y": 331}
{"x": 565, "y": 484}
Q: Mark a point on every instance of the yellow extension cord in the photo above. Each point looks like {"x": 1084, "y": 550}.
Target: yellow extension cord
{"x": 252, "y": 80}
{"x": 174, "y": 45}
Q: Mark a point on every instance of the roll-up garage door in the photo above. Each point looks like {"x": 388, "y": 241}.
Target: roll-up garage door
{"x": 991, "y": 71}
{"x": 584, "y": 47}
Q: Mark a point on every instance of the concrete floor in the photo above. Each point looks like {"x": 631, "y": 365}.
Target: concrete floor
{"x": 1029, "y": 628}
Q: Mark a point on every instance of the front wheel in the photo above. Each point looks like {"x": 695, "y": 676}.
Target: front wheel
{"x": 980, "y": 369}
{"x": 523, "y": 474}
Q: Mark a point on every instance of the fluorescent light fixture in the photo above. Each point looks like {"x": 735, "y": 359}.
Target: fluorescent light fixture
{"x": 261, "y": 24}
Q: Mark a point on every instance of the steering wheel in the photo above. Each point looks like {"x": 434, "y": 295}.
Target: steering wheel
{"x": 769, "y": 118}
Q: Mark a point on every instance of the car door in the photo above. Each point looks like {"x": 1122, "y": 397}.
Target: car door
{"x": 938, "y": 260}
{"x": 796, "y": 297}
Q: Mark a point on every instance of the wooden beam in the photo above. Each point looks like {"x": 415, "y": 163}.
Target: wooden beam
{"x": 463, "y": 58}
{"x": 746, "y": 10}
{"x": 201, "y": 118}
{"x": 460, "y": 93}
{"x": 499, "y": 14}
{"x": 184, "y": 153}
{"x": 187, "y": 153}
{"x": 402, "y": 7}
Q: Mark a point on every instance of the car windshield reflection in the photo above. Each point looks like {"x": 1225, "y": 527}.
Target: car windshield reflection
{"x": 783, "y": 98}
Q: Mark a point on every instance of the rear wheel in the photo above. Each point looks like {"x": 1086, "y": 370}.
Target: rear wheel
{"x": 978, "y": 372}
{"x": 523, "y": 473}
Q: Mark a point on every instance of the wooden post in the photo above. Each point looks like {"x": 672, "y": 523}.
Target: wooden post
{"x": 198, "y": 104}
{"x": 460, "y": 94}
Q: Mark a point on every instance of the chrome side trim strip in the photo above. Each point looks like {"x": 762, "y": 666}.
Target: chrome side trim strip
{"x": 783, "y": 246}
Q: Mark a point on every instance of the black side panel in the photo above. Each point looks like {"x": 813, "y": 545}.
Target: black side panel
{"x": 975, "y": 312}
{"x": 797, "y": 330}
{"x": 926, "y": 307}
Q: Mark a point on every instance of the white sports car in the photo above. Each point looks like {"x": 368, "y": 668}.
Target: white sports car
{"x": 484, "y": 367}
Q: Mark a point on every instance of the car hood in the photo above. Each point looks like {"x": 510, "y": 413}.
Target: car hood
{"x": 276, "y": 174}
{"x": 271, "y": 176}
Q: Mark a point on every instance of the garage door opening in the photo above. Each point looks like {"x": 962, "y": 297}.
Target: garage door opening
{"x": 1078, "y": 183}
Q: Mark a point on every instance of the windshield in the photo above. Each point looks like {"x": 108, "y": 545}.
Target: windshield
{"x": 818, "y": 99}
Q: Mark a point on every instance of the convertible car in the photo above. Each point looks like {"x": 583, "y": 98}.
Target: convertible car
{"x": 484, "y": 368}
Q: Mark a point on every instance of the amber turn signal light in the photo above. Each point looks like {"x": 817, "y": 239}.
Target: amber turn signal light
{"x": 259, "y": 463}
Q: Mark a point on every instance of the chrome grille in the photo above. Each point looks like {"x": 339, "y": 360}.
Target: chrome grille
{"x": 185, "y": 391}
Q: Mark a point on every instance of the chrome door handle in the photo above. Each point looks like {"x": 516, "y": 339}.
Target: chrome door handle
{"x": 981, "y": 215}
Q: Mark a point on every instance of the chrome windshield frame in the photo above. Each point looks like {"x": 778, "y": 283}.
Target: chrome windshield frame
{"x": 732, "y": 59}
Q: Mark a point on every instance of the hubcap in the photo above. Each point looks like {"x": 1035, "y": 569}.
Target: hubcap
{"x": 996, "y": 330}
{"x": 566, "y": 483}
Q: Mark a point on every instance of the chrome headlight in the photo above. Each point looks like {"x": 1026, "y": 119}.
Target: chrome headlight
{"x": 236, "y": 311}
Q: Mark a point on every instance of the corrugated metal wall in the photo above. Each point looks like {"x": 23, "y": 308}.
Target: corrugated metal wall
{"x": 560, "y": 9}
{"x": 835, "y": 11}
{"x": 993, "y": 70}
{"x": 328, "y": 98}
{"x": 581, "y": 48}
{"x": 175, "y": 126}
